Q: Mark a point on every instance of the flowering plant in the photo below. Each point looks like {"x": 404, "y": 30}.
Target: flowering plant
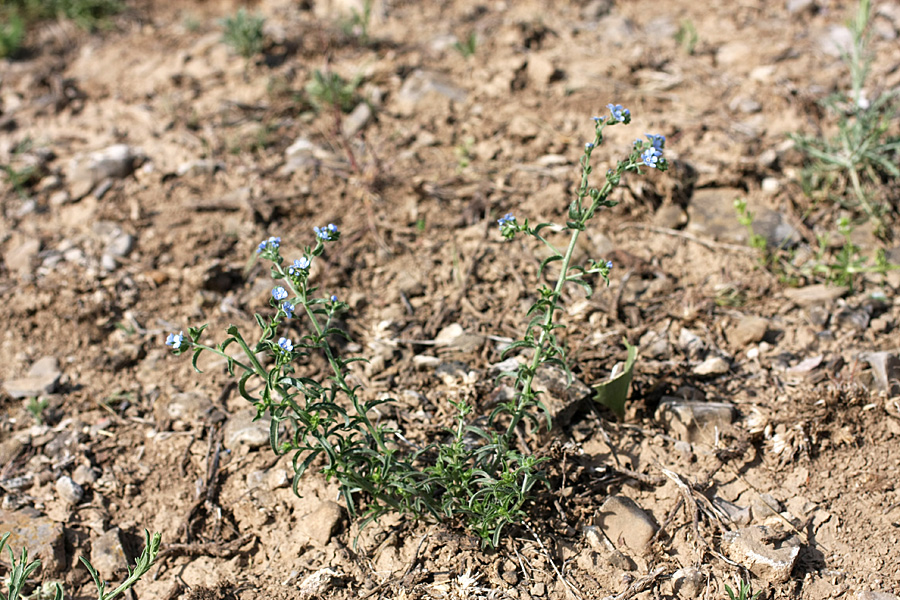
{"x": 477, "y": 476}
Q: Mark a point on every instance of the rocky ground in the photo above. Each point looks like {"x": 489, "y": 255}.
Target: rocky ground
{"x": 760, "y": 440}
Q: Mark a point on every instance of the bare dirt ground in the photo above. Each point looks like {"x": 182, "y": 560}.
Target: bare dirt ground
{"x": 99, "y": 266}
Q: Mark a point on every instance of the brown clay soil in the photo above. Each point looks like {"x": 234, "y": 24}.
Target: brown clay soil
{"x": 97, "y": 274}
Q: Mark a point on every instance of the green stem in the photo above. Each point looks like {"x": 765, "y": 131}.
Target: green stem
{"x": 539, "y": 351}
{"x": 256, "y": 368}
{"x": 585, "y": 215}
{"x": 326, "y": 348}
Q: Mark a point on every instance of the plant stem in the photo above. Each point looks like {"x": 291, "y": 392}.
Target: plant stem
{"x": 256, "y": 368}
{"x": 335, "y": 367}
{"x": 539, "y": 351}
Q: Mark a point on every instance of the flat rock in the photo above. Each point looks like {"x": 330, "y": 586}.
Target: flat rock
{"x": 690, "y": 343}
{"x": 623, "y": 521}
{"x": 748, "y": 330}
{"x": 322, "y": 523}
{"x": 714, "y": 365}
{"x": 739, "y": 515}
{"x": 763, "y": 551}
{"x": 775, "y": 229}
{"x": 870, "y": 595}
{"x": 242, "y": 430}
{"x": 356, "y": 121}
{"x": 711, "y": 214}
{"x": 799, "y": 6}
{"x": 11, "y": 447}
{"x": 670, "y": 216}
{"x": 563, "y": 398}
{"x": 691, "y": 421}
{"x": 22, "y": 258}
{"x": 814, "y": 294}
{"x": 885, "y": 370}
{"x": 422, "y": 87}
{"x": 655, "y": 344}
{"x": 84, "y": 475}
{"x": 42, "y": 378}
{"x": 115, "y": 162}
{"x": 107, "y": 554}
{"x": 304, "y": 155}
{"x": 42, "y": 537}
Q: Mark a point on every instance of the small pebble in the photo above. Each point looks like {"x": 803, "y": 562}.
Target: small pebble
{"x": 69, "y": 492}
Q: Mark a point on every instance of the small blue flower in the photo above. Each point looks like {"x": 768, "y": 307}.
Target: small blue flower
{"x": 272, "y": 242}
{"x": 328, "y": 233}
{"x": 333, "y": 298}
{"x": 175, "y": 340}
{"x": 609, "y": 264}
{"x": 285, "y": 344}
{"x": 619, "y": 113}
{"x": 301, "y": 264}
{"x": 657, "y": 141}
{"x": 597, "y": 119}
{"x": 589, "y": 146}
{"x": 651, "y": 156}
{"x": 507, "y": 219}
{"x": 288, "y": 309}
{"x": 279, "y": 293}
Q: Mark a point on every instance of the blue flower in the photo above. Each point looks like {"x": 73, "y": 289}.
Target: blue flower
{"x": 609, "y": 264}
{"x": 328, "y": 233}
{"x": 619, "y": 113}
{"x": 507, "y": 219}
{"x": 288, "y": 309}
{"x": 285, "y": 344}
{"x": 597, "y": 119}
{"x": 333, "y": 298}
{"x": 175, "y": 340}
{"x": 589, "y": 146}
{"x": 657, "y": 141}
{"x": 272, "y": 242}
{"x": 651, "y": 156}
{"x": 279, "y": 293}
{"x": 301, "y": 264}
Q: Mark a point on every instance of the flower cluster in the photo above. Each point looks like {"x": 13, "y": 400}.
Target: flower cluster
{"x": 619, "y": 113}
{"x": 300, "y": 266}
{"x": 286, "y": 345}
{"x": 175, "y": 340}
{"x": 651, "y": 156}
{"x": 508, "y": 226}
{"x": 270, "y": 244}
{"x": 327, "y": 234}
{"x": 657, "y": 141}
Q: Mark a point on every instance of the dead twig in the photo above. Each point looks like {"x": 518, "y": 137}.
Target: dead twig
{"x": 216, "y": 549}
{"x": 687, "y": 492}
